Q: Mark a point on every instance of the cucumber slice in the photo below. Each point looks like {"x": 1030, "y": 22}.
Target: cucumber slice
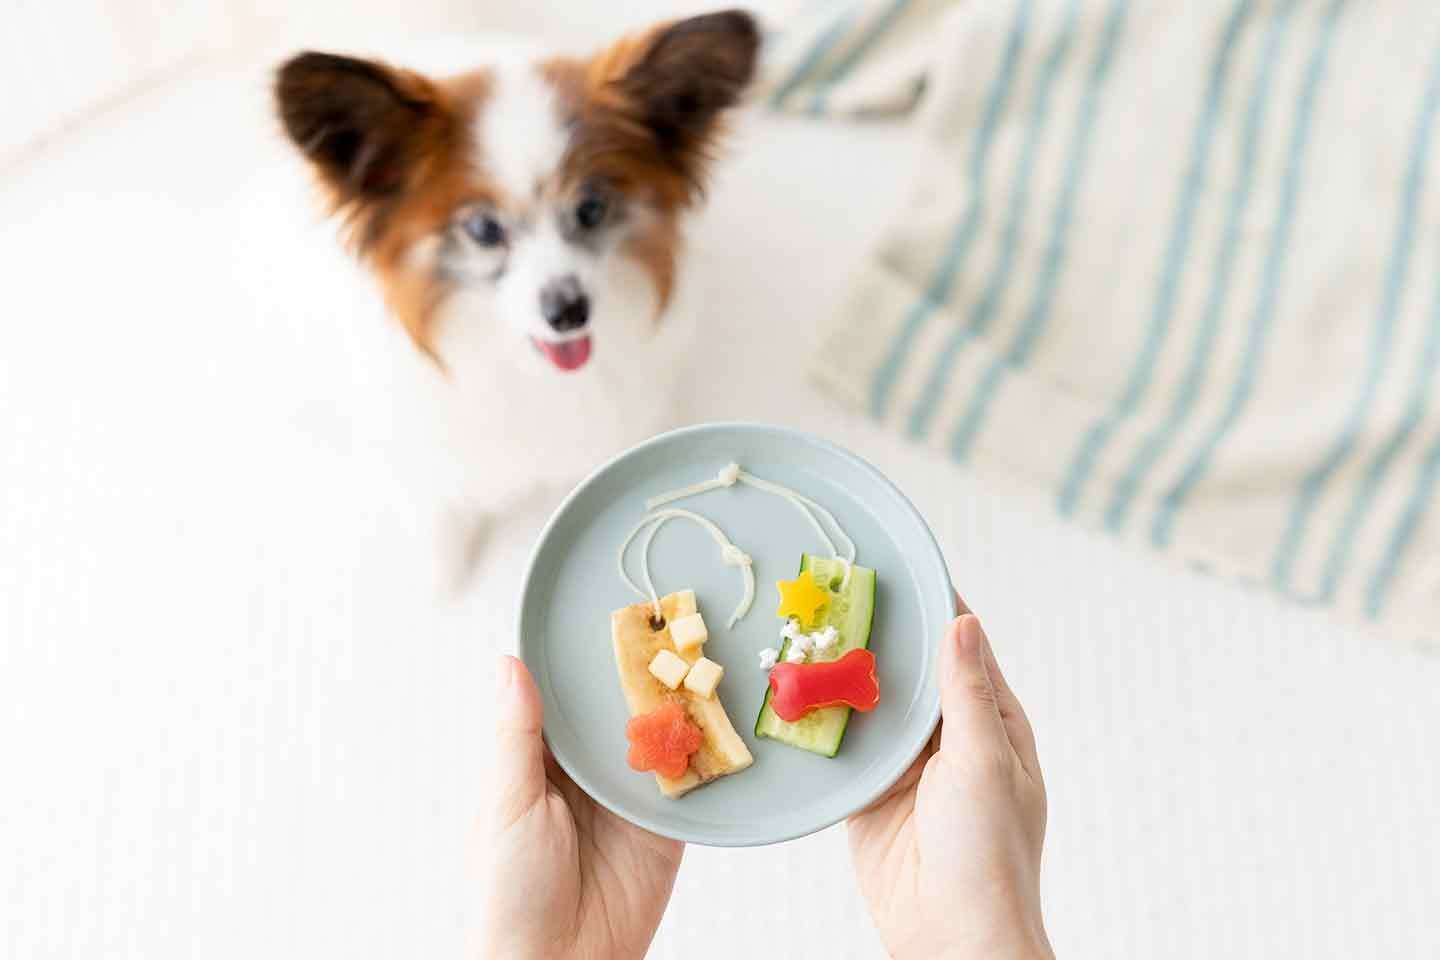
{"x": 850, "y": 612}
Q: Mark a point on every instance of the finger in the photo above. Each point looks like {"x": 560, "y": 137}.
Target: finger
{"x": 519, "y": 750}
{"x": 960, "y": 604}
{"x": 901, "y": 787}
{"x": 969, "y": 710}
{"x": 1012, "y": 714}
{"x": 553, "y": 771}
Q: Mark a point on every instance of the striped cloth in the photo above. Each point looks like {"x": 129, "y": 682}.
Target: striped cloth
{"x": 1171, "y": 265}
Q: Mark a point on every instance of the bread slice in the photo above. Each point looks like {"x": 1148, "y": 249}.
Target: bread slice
{"x": 722, "y": 751}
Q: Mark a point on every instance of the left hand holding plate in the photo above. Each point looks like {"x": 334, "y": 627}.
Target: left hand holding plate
{"x": 566, "y": 877}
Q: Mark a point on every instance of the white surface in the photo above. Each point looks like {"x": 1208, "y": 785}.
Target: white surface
{"x": 65, "y": 60}
{"x": 240, "y": 720}
{"x": 66, "y": 57}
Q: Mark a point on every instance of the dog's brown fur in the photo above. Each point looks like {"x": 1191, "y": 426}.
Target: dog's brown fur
{"x": 394, "y": 150}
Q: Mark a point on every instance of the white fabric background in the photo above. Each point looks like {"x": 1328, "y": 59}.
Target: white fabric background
{"x": 238, "y": 719}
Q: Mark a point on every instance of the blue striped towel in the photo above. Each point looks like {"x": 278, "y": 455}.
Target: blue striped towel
{"x": 1171, "y": 265}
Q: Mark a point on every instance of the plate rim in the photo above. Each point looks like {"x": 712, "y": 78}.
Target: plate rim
{"x": 936, "y": 555}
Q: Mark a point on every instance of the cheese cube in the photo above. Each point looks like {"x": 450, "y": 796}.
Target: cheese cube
{"x": 704, "y": 677}
{"x": 688, "y": 632}
{"x": 669, "y": 669}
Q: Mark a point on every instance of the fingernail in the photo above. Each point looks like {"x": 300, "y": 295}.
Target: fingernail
{"x": 970, "y": 636}
{"x": 954, "y": 650}
{"x": 505, "y": 678}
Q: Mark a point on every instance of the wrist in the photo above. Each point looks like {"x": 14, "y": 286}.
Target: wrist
{"x": 1014, "y": 942}
{"x": 1021, "y": 948}
{"x": 508, "y": 949}
{"x": 1014, "y": 945}
{"x": 1021, "y": 941}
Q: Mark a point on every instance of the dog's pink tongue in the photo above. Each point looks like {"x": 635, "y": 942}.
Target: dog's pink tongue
{"x": 570, "y": 355}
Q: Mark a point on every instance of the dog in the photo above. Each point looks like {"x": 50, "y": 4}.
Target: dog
{"x": 523, "y": 220}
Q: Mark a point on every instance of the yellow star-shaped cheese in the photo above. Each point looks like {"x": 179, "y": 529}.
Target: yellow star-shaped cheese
{"x": 802, "y": 598}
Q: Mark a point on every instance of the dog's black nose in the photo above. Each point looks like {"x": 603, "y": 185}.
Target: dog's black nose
{"x": 564, "y": 305}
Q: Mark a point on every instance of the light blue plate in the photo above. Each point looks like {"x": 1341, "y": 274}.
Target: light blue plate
{"x": 572, "y": 585}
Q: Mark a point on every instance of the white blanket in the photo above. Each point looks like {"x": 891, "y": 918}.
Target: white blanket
{"x": 1170, "y": 265}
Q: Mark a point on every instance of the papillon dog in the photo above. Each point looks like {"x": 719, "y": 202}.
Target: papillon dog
{"x": 523, "y": 221}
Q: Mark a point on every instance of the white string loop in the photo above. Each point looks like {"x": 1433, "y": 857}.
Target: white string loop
{"x": 733, "y": 473}
{"x": 730, "y": 554}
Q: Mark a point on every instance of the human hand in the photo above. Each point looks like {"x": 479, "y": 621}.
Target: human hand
{"x": 567, "y": 878}
{"x": 949, "y": 859}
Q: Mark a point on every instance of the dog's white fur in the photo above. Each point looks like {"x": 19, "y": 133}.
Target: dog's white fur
{"x": 493, "y": 393}
{"x": 498, "y": 394}
{"x": 520, "y": 141}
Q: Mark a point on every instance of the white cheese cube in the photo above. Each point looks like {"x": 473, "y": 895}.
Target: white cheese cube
{"x": 703, "y": 677}
{"x": 768, "y": 656}
{"x": 790, "y": 631}
{"x": 669, "y": 669}
{"x": 688, "y": 632}
{"x": 826, "y": 638}
{"x": 794, "y": 654}
{"x": 802, "y": 642}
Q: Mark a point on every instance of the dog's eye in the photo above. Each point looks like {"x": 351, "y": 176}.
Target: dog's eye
{"x": 590, "y": 212}
{"x": 484, "y": 229}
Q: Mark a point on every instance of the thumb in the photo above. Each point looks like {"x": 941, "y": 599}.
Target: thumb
{"x": 968, "y": 702}
{"x": 519, "y": 751}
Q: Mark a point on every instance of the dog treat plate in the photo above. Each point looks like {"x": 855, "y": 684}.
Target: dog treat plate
{"x": 573, "y": 584}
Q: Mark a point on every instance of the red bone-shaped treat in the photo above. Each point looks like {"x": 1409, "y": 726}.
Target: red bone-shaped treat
{"x": 798, "y": 688}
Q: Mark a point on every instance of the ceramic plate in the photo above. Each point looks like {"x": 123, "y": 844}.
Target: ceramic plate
{"x": 573, "y": 584}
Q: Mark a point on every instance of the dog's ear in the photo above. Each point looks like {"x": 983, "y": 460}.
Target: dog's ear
{"x": 686, "y": 73}
{"x": 362, "y": 124}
